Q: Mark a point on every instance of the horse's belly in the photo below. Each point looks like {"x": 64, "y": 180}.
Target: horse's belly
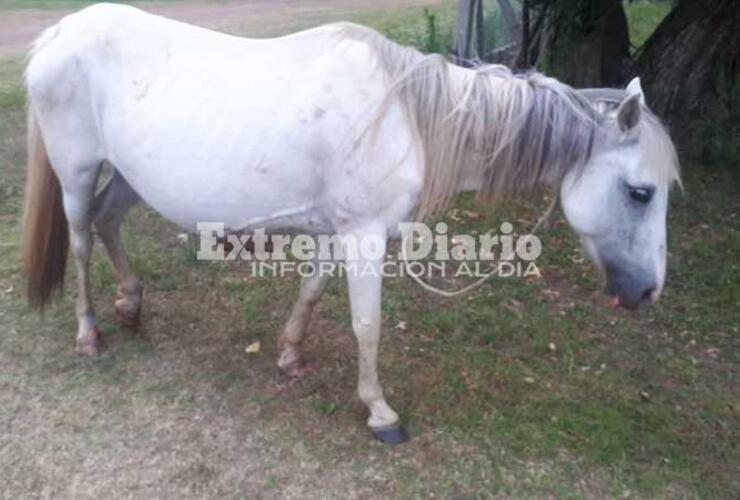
{"x": 239, "y": 198}
{"x": 197, "y": 155}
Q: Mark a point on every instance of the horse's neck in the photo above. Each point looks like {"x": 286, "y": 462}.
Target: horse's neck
{"x": 471, "y": 178}
{"x": 472, "y": 174}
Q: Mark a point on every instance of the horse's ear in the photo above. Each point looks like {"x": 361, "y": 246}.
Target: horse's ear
{"x": 628, "y": 113}
{"x": 634, "y": 88}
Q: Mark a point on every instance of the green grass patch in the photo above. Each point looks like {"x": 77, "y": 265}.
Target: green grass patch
{"x": 643, "y": 16}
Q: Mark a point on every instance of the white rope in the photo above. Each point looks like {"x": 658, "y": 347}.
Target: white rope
{"x": 469, "y": 288}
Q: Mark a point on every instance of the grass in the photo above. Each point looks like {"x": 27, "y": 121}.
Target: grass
{"x": 528, "y": 388}
{"x": 643, "y": 16}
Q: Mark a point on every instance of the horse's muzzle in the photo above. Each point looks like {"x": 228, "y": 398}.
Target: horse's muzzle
{"x": 631, "y": 289}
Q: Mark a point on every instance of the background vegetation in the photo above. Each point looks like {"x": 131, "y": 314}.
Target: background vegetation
{"x": 689, "y": 61}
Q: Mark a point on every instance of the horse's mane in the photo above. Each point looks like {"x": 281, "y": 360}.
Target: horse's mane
{"x": 517, "y": 130}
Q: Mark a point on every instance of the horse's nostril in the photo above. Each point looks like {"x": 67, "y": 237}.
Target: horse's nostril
{"x": 647, "y": 295}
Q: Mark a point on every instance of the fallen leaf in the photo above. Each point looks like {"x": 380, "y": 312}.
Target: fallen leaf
{"x": 517, "y": 312}
{"x": 711, "y": 352}
{"x": 253, "y": 348}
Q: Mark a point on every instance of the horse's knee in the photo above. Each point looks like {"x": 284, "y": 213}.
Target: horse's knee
{"x": 366, "y": 329}
{"x": 81, "y": 241}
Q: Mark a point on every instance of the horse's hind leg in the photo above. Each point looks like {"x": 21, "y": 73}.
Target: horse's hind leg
{"x": 78, "y": 192}
{"x": 312, "y": 287}
{"x": 111, "y": 204}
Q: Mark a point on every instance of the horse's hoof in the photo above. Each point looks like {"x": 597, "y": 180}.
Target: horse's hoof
{"x": 128, "y": 314}
{"x": 90, "y": 345}
{"x": 395, "y": 434}
{"x": 296, "y": 369}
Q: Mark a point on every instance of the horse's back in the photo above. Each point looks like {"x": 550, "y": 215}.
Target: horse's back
{"x": 238, "y": 130}
{"x": 115, "y": 36}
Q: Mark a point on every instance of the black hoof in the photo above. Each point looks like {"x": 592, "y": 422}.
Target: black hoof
{"x": 391, "y": 435}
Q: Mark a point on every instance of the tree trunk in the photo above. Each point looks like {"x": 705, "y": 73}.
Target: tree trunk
{"x": 586, "y": 42}
{"x": 690, "y": 68}
{"x": 530, "y": 47}
{"x": 512, "y": 21}
{"x": 469, "y": 36}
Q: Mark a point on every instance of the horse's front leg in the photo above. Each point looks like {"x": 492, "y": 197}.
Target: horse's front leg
{"x": 364, "y": 278}
{"x": 289, "y": 342}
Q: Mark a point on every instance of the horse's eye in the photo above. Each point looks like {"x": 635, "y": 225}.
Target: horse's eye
{"x": 641, "y": 194}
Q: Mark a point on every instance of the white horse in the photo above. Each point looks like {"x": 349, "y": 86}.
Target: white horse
{"x": 334, "y": 130}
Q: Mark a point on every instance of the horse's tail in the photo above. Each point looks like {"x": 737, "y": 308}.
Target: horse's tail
{"x": 45, "y": 231}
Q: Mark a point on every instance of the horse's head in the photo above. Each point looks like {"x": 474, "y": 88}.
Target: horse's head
{"x": 618, "y": 203}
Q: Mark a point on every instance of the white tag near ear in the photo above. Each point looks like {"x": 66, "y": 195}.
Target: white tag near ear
{"x": 634, "y": 87}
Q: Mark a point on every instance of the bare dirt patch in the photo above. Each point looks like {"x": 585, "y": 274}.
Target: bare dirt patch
{"x": 257, "y": 17}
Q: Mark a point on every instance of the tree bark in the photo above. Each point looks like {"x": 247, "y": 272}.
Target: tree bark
{"x": 586, "y": 42}
{"x": 512, "y": 20}
{"x": 469, "y": 36}
{"x": 690, "y": 67}
{"x": 522, "y": 58}
{"x": 533, "y": 20}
